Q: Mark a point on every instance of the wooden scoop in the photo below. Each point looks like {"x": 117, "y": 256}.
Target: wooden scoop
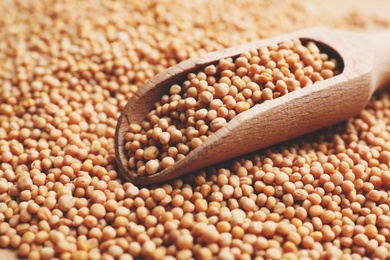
{"x": 366, "y": 68}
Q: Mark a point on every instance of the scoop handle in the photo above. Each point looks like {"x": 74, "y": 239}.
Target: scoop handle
{"x": 381, "y": 68}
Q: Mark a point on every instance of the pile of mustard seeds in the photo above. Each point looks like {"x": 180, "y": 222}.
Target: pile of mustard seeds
{"x": 68, "y": 68}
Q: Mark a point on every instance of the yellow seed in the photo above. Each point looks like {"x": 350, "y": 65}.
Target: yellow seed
{"x": 190, "y": 102}
{"x": 176, "y": 136}
{"x": 25, "y": 183}
{"x": 98, "y": 210}
{"x": 327, "y": 217}
{"x": 281, "y": 86}
{"x": 175, "y": 89}
{"x": 152, "y": 166}
{"x": 283, "y": 228}
{"x": 327, "y": 73}
{"x": 217, "y": 123}
{"x": 206, "y": 97}
{"x": 167, "y": 162}
{"x": 360, "y": 240}
{"x": 316, "y": 211}
{"x": 164, "y": 138}
{"x": 249, "y": 204}
{"x": 269, "y": 228}
{"x": 242, "y": 106}
{"x": 135, "y": 128}
{"x": 151, "y": 153}
{"x": 66, "y": 202}
{"x": 267, "y": 94}
{"x": 265, "y": 77}
{"x": 221, "y": 90}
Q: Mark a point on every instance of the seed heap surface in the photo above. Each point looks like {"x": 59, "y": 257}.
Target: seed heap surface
{"x": 192, "y": 111}
{"x": 68, "y": 68}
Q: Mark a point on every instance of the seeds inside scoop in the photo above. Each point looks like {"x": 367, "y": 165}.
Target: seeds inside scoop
{"x": 204, "y": 103}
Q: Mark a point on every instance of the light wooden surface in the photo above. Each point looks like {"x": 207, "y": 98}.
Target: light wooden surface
{"x": 294, "y": 114}
{"x": 8, "y": 254}
{"x": 335, "y": 8}
{"x": 381, "y": 69}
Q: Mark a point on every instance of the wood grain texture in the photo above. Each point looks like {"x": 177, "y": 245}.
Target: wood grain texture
{"x": 8, "y": 254}
{"x": 294, "y": 114}
{"x": 381, "y": 71}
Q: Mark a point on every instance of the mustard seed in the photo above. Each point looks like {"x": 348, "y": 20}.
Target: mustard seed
{"x": 66, "y": 202}
{"x": 151, "y": 167}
